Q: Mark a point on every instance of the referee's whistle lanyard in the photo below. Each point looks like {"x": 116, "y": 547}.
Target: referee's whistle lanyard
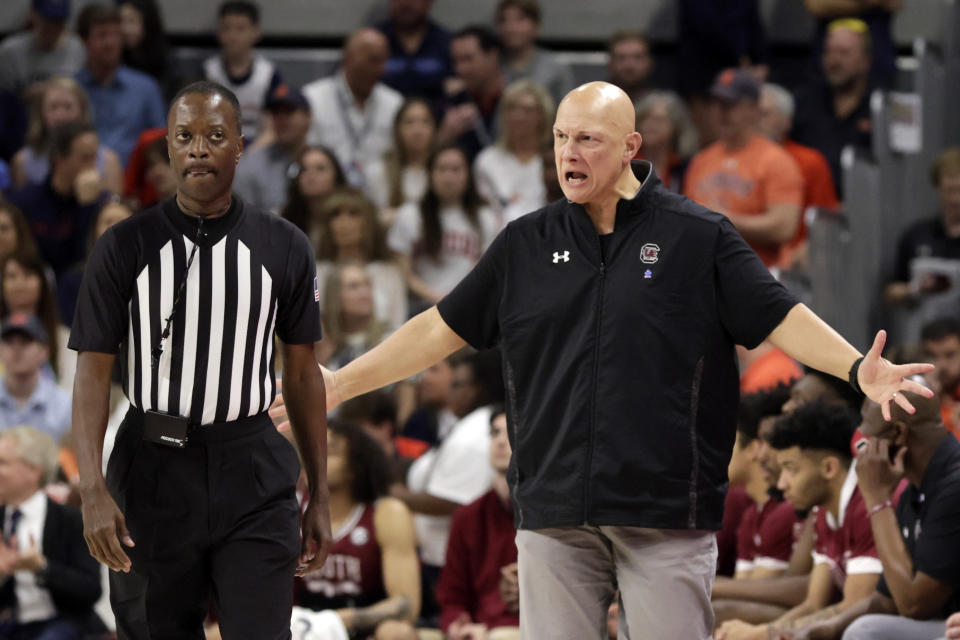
{"x": 355, "y": 166}
{"x": 158, "y": 350}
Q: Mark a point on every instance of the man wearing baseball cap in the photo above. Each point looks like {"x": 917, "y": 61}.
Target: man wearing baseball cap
{"x": 263, "y": 174}
{"x": 745, "y": 176}
{"x": 48, "y": 49}
{"x": 28, "y": 394}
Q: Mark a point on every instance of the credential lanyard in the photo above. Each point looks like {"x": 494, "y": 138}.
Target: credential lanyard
{"x": 356, "y": 137}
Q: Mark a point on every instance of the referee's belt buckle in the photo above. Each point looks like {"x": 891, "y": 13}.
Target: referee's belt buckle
{"x": 166, "y": 429}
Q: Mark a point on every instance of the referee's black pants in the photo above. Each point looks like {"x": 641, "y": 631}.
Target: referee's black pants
{"x": 218, "y": 518}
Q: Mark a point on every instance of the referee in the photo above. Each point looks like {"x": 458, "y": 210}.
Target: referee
{"x": 616, "y": 310}
{"x": 200, "y": 488}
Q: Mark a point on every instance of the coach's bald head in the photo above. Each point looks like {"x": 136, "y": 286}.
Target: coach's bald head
{"x": 594, "y": 142}
{"x": 601, "y": 101}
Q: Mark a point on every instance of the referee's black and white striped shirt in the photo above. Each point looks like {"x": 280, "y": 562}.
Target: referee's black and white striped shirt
{"x": 253, "y": 273}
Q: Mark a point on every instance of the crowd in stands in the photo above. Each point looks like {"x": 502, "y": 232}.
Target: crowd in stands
{"x": 401, "y": 167}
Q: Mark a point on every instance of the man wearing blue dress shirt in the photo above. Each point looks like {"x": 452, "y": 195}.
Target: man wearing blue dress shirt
{"x": 125, "y": 101}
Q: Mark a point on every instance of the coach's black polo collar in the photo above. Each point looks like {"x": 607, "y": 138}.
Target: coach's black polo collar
{"x": 641, "y": 201}
{"x": 643, "y": 170}
{"x": 213, "y": 230}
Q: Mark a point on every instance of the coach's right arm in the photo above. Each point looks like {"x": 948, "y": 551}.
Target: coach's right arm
{"x": 422, "y": 341}
{"x": 472, "y": 307}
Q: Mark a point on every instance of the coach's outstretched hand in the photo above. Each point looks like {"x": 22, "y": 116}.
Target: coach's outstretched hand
{"x": 278, "y": 408}
{"x": 104, "y": 527}
{"x": 883, "y": 381}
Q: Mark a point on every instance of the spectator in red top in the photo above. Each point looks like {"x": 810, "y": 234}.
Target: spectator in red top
{"x": 136, "y": 185}
{"x": 776, "y": 119}
{"x": 734, "y": 506}
{"x": 916, "y": 541}
{"x": 371, "y": 575}
{"x": 818, "y": 470}
{"x": 941, "y": 344}
{"x": 765, "y": 537}
{"x": 745, "y": 176}
{"x": 764, "y": 599}
{"x": 481, "y": 554}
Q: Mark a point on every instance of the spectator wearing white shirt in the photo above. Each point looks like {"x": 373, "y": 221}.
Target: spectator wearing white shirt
{"x": 510, "y": 173}
{"x": 250, "y": 75}
{"x": 438, "y": 241}
{"x": 352, "y": 109}
{"x": 400, "y": 177}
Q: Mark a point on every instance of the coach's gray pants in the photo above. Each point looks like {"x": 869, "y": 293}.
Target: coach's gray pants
{"x": 568, "y": 577}
{"x": 884, "y": 627}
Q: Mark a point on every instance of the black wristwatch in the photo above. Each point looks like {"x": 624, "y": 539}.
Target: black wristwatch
{"x": 852, "y": 378}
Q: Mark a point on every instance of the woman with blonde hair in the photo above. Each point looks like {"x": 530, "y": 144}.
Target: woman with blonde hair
{"x": 351, "y": 234}
{"x": 350, "y": 325}
{"x": 669, "y": 137}
{"x": 509, "y": 174}
{"x": 58, "y": 101}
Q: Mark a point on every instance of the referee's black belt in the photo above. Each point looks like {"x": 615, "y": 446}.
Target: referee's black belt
{"x": 239, "y": 429}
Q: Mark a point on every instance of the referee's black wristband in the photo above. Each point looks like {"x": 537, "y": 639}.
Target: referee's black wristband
{"x": 852, "y": 378}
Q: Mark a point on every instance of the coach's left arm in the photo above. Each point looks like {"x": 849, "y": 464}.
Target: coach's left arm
{"x": 805, "y": 337}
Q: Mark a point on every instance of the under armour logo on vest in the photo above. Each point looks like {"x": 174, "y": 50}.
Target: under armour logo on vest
{"x": 557, "y": 256}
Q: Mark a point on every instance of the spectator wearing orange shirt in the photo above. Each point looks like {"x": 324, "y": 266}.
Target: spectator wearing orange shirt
{"x": 776, "y": 119}
{"x": 745, "y": 176}
{"x": 941, "y": 344}
{"x": 766, "y": 367}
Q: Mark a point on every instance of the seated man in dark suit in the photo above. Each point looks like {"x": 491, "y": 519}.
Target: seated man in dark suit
{"x": 48, "y": 580}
